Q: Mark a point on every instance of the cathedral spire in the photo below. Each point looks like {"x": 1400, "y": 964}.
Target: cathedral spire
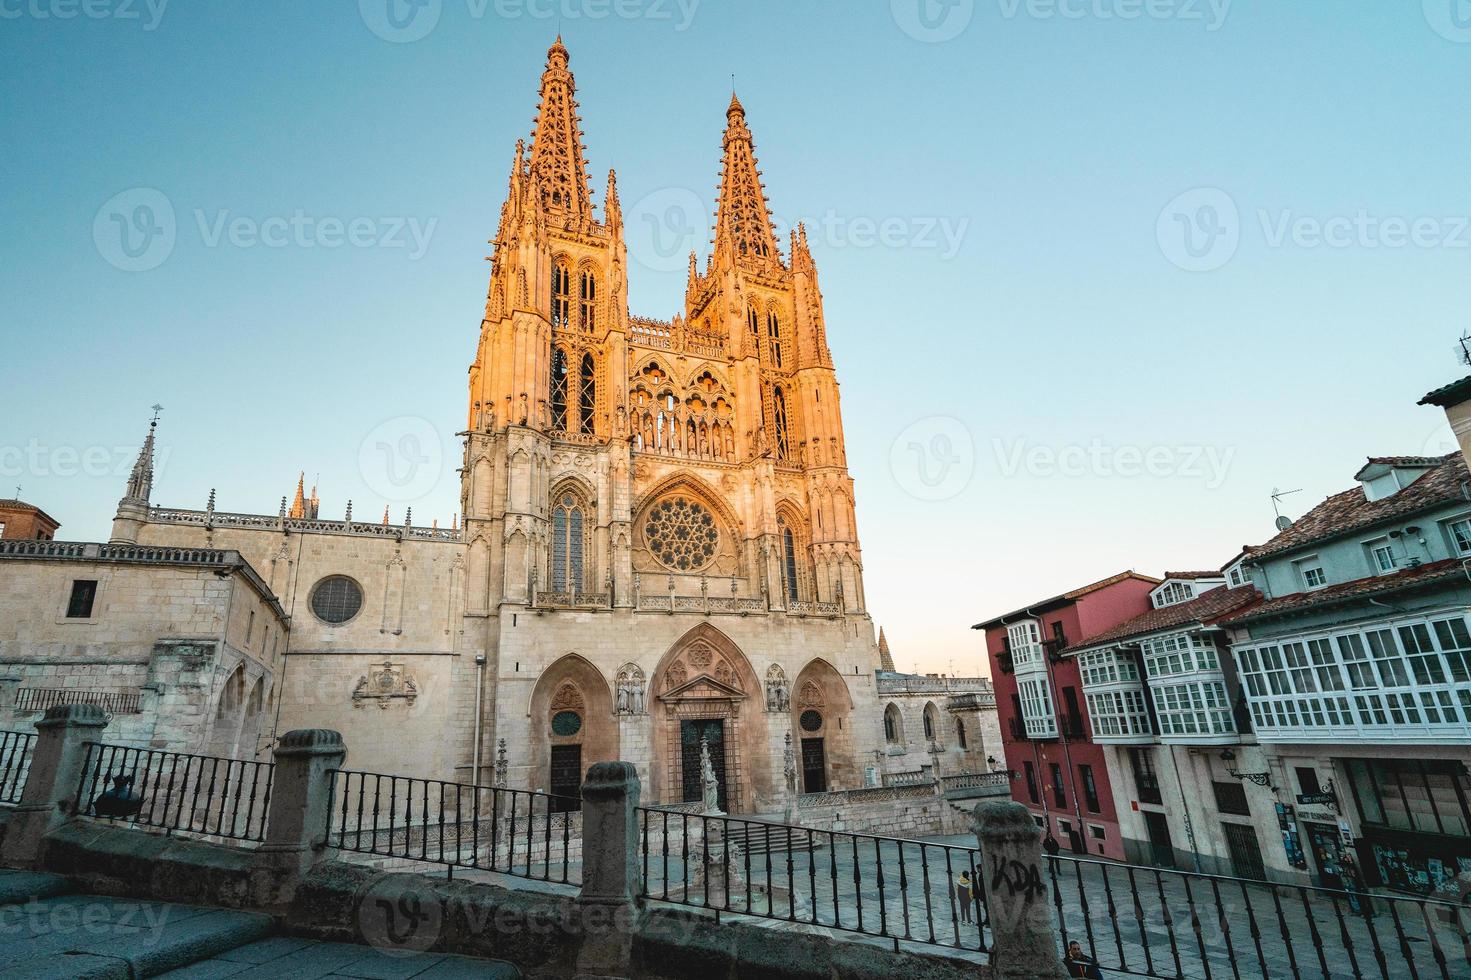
{"x": 298, "y": 503}
{"x": 132, "y": 509}
{"x": 743, "y": 225}
{"x": 886, "y": 659}
{"x": 557, "y": 165}
{"x": 140, "y": 481}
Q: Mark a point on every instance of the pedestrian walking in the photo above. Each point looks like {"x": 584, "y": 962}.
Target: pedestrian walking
{"x": 1079, "y": 964}
{"x": 1050, "y": 845}
{"x": 962, "y": 895}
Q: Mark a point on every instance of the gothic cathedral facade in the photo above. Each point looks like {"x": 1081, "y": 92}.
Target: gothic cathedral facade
{"x": 658, "y": 547}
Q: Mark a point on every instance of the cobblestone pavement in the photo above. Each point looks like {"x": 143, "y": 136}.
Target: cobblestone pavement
{"x": 1135, "y": 921}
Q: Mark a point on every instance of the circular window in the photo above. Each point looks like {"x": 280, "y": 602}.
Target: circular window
{"x": 681, "y": 533}
{"x": 336, "y": 599}
{"x": 811, "y": 721}
{"x": 566, "y": 723}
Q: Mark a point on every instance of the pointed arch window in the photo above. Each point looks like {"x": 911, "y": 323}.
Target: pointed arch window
{"x": 561, "y": 295}
{"x": 754, "y": 319}
{"x": 569, "y": 529}
{"x": 773, "y": 333}
{"x": 588, "y": 299}
{"x": 587, "y": 395}
{"x": 789, "y": 560}
{"x": 559, "y": 389}
{"x": 779, "y": 417}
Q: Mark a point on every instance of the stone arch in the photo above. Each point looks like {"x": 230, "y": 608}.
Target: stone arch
{"x": 571, "y": 684}
{"x": 229, "y": 713}
{"x": 705, "y": 678}
{"x": 729, "y": 554}
{"x": 254, "y": 705}
{"x": 893, "y": 725}
{"x": 692, "y": 379}
{"x": 932, "y": 723}
{"x": 820, "y": 690}
{"x": 696, "y": 486}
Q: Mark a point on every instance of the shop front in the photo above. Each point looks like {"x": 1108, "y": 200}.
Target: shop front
{"x": 1415, "y": 824}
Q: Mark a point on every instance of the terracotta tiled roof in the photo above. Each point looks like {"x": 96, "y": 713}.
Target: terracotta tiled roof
{"x": 1397, "y": 462}
{"x": 1350, "y": 510}
{"x": 1066, "y": 597}
{"x": 1451, "y": 394}
{"x": 1205, "y": 609}
{"x": 1189, "y": 575}
{"x": 1361, "y": 588}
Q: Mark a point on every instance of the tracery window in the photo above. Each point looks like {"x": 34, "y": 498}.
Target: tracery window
{"x": 754, "y": 319}
{"x": 788, "y": 559}
{"x": 773, "y": 332}
{"x": 779, "y": 415}
{"x": 569, "y": 536}
{"x": 559, "y": 389}
{"x": 588, "y": 299}
{"x": 681, "y": 534}
{"x": 561, "y": 295}
{"x": 588, "y": 395}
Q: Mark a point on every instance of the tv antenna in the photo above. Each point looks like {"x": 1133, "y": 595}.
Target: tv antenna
{"x": 1463, "y": 349}
{"x": 1283, "y": 523}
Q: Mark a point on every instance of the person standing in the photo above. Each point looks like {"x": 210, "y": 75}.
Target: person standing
{"x": 1079, "y": 964}
{"x": 962, "y": 895}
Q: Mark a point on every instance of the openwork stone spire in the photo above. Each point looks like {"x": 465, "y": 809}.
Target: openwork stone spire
{"x": 557, "y": 166}
{"x": 140, "y": 482}
{"x": 743, "y": 224}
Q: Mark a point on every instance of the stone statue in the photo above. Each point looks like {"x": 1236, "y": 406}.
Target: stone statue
{"x": 638, "y": 698}
{"x": 623, "y": 704}
{"x": 707, "y": 776}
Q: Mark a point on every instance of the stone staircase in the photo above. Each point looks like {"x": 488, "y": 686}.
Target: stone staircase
{"x": 53, "y": 933}
{"x": 767, "y": 835}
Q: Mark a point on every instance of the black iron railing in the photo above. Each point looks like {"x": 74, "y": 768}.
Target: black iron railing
{"x": 1155, "y": 922}
{"x": 179, "y": 792}
{"x": 38, "y": 699}
{"x": 15, "y": 763}
{"x": 508, "y": 831}
{"x": 893, "y": 888}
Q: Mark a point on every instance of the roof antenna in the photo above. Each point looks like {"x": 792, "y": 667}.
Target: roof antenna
{"x": 1464, "y": 349}
{"x": 1283, "y": 523}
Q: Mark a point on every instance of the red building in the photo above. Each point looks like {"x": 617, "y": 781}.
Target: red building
{"x": 1062, "y": 776}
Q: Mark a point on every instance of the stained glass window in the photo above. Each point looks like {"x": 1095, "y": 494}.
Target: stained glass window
{"x": 681, "y": 534}
{"x": 336, "y": 599}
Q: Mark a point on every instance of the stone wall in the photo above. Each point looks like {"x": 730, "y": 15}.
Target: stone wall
{"x": 908, "y": 811}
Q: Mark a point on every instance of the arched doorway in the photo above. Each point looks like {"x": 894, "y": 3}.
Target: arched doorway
{"x": 705, "y": 690}
{"x": 822, "y": 715}
{"x": 571, "y": 728}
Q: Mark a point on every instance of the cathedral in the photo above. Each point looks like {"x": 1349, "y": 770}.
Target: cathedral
{"x": 658, "y": 546}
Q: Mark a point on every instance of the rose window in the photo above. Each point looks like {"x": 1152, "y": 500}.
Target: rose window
{"x": 681, "y": 534}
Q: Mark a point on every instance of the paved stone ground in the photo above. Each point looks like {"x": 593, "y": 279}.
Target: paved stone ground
{"x": 48, "y": 933}
{"x": 301, "y": 959}
{"x": 1235, "y": 930}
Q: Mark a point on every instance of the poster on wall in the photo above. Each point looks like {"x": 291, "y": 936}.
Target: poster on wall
{"x": 1291, "y": 839}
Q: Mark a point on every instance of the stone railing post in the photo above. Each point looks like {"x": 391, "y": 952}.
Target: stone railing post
{"x": 610, "y": 902}
{"x": 301, "y": 796}
{"x": 1025, "y": 940}
{"x": 49, "y": 797}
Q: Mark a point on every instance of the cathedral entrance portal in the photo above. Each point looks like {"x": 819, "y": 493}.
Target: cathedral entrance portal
{"x": 690, "y": 734}
{"x": 705, "y": 687}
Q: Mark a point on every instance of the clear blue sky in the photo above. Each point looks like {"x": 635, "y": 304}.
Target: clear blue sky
{"x": 1043, "y": 292}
